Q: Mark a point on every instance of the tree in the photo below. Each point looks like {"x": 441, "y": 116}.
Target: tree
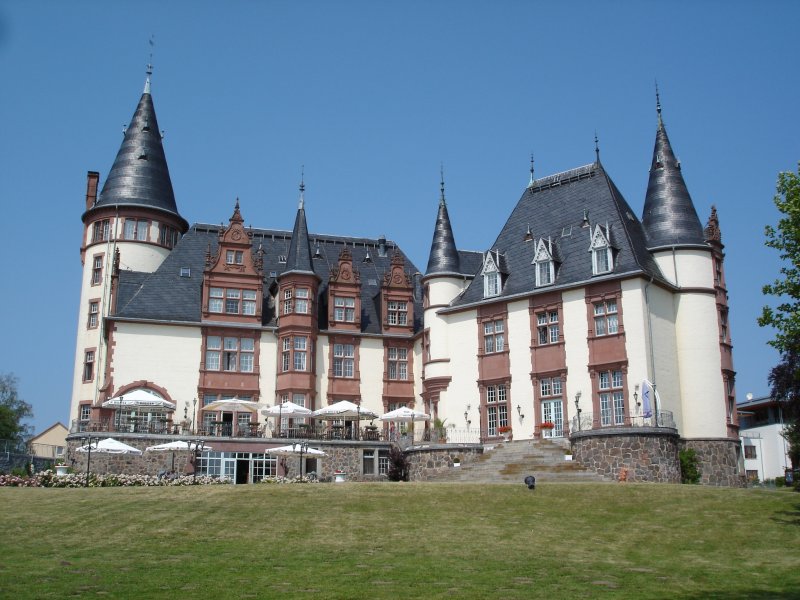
{"x": 785, "y": 238}
{"x": 784, "y": 378}
{"x": 13, "y": 411}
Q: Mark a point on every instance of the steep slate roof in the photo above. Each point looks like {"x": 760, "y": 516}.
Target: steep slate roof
{"x": 444, "y": 258}
{"x": 553, "y": 208}
{"x": 299, "y": 256}
{"x": 669, "y": 216}
{"x": 166, "y": 296}
{"x": 139, "y": 175}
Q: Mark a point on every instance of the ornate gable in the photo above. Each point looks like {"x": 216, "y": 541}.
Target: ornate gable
{"x": 397, "y": 302}
{"x": 600, "y": 239}
{"x": 344, "y": 272}
{"x": 543, "y": 251}
{"x": 232, "y": 282}
{"x": 344, "y": 294}
{"x": 396, "y": 275}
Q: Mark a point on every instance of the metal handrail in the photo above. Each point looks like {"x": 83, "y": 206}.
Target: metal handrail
{"x": 663, "y": 419}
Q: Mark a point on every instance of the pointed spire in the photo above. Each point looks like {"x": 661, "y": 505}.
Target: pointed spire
{"x": 658, "y": 105}
{"x": 596, "y": 147}
{"x": 533, "y": 179}
{"x": 669, "y": 216}
{"x": 149, "y": 72}
{"x": 140, "y": 175}
{"x": 299, "y": 257}
{"x": 441, "y": 184}
{"x": 444, "y": 255}
{"x": 302, "y": 202}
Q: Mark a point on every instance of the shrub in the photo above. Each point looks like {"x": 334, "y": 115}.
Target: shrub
{"x": 690, "y": 470}
{"x": 398, "y": 464}
{"x": 780, "y": 481}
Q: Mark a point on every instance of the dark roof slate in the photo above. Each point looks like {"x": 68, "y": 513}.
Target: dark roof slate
{"x": 166, "y": 296}
{"x": 444, "y": 256}
{"x": 139, "y": 175}
{"x": 554, "y": 209}
{"x": 669, "y": 216}
{"x": 299, "y": 255}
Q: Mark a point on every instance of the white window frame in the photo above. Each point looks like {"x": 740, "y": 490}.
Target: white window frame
{"x": 602, "y": 257}
{"x": 344, "y": 309}
{"x": 344, "y": 360}
{"x": 216, "y": 300}
{"x": 606, "y": 317}
{"x": 494, "y": 339}
{"x": 545, "y": 265}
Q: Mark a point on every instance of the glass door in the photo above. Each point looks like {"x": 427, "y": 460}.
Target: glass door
{"x": 552, "y": 412}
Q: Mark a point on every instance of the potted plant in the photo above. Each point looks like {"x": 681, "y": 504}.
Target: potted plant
{"x": 61, "y": 468}
{"x": 548, "y": 425}
{"x": 339, "y": 476}
{"x": 505, "y": 431}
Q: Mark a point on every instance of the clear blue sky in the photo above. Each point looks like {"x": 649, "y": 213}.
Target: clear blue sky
{"x": 372, "y": 97}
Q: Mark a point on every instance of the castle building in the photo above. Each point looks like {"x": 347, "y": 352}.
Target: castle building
{"x": 582, "y": 322}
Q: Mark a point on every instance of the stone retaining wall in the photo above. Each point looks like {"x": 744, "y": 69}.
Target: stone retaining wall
{"x": 425, "y": 462}
{"x": 645, "y": 455}
{"x": 718, "y": 461}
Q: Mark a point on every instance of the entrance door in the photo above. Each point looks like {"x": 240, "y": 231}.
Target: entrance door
{"x": 552, "y": 411}
{"x": 242, "y": 470}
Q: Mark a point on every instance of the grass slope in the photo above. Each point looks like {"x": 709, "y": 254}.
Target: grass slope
{"x": 400, "y": 540}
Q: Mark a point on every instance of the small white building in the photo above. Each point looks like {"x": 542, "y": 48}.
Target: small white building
{"x": 765, "y": 451}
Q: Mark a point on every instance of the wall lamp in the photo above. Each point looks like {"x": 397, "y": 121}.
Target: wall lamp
{"x": 578, "y": 407}
{"x": 519, "y": 412}
{"x": 636, "y": 395}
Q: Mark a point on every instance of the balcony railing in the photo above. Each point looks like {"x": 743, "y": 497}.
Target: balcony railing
{"x": 588, "y": 422}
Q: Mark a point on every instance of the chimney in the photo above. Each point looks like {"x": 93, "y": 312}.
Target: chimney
{"x": 92, "y": 178}
{"x": 382, "y": 246}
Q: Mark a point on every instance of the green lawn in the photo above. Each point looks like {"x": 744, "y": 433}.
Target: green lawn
{"x": 408, "y": 540}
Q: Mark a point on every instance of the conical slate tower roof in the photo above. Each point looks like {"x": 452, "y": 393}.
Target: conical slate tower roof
{"x": 299, "y": 258}
{"x": 139, "y": 175}
{"x": 443, "y": 258}
{"x": 669, "y": 217}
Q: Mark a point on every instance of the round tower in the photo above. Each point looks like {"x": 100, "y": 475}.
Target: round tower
{"x": 690, "y": 262}
{"x": 132, "y": 224}
{"x": 442, "y": 282}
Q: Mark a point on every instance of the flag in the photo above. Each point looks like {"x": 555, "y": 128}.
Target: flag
{"x": 647, "y": 398}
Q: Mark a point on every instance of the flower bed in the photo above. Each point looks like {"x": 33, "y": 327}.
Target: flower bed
{"x": 75, "y": 480}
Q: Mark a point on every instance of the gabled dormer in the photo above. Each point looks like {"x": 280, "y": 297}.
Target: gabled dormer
{"x": 232, "y": 289}
{"x": 545, "y": 261}
{"x": 602, "y": 251}
{"x": 344, "y": 295}
{"x": 397, "y": 303}
{"x": 492, "y": 272}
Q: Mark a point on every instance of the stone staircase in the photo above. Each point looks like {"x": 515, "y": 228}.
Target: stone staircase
{"x": 511, "y": 462}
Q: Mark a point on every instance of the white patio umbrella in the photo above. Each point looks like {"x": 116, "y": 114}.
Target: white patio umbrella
{"x": 296, "y": 449}
{"x": 109, "y": 446}
{"x": 344, "y": 409}
{"x": 105, "y": 446}
{"x": 234, "y": 405}
{"x": 174, "y": 447}
{"x": 286, "y": 409}
{"x": 138, "y": 398}
{"x": 405, "y": 414}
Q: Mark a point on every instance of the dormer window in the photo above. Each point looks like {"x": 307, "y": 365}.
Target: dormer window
{"x": 492, "y": 284}
{"x": 602, "y": 257}
{"x": 545, "y": 263}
